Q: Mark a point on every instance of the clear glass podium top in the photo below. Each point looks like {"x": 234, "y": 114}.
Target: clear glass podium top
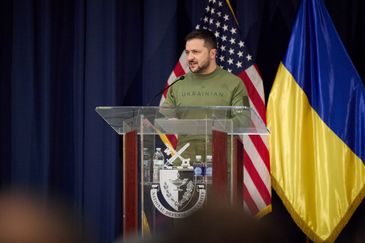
{"x": 185, "y": 120}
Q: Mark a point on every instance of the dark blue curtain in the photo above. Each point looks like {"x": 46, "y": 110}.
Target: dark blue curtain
{"x": 59, "y": 64}
{"x": 60, "y": 59}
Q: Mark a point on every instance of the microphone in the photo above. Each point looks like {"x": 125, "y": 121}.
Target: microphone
{"x": 167, "y": 87}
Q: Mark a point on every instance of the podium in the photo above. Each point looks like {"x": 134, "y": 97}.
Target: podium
{"x": 203, "y": 155}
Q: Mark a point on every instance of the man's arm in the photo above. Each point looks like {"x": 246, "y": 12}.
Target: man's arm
{"x": 170, "y": 99}
{"x": 240, "y": 96}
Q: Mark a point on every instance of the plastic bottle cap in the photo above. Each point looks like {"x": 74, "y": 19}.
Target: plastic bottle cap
{"x": 158, "y": 149}
{"x": 198, "y": 157}
{"x": 209, "y": 157}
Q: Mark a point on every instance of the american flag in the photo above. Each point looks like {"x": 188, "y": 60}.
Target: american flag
{"x": 233, "y": 56}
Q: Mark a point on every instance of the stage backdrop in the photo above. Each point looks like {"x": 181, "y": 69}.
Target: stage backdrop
{"x": 60, "y": 59}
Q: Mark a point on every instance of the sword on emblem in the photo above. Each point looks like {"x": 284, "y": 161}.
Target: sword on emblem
{"x": 185, "y": 163}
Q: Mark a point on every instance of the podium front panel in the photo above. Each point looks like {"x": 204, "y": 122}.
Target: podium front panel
{"x": 202, "y": 155}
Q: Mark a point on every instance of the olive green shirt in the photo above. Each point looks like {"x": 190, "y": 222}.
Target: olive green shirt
{"x": 219, "y": 88}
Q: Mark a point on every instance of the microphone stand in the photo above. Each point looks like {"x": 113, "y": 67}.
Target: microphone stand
{"x": 167, "y": 87}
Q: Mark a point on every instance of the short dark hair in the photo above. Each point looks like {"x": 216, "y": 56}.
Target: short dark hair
{"x": 206, "y": 35}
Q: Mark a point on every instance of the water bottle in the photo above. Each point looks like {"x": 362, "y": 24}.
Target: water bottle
{"x": 158, "y": 163}
{"x": 199, "y": 169}
{"x": 209, "y": 169}
{"x": 147, "y": 164}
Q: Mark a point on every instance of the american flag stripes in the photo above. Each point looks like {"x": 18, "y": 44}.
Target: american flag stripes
{"x": 233, "y": 56}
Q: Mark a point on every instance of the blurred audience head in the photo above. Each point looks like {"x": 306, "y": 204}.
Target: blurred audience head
{"x": 27, "y": 217}
{"x": 218, "y": 221}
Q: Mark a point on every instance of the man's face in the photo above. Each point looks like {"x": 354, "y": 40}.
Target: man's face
{"x": 198, "y": 56}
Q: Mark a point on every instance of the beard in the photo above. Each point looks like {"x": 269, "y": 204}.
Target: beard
{"x": 201, "y": 68}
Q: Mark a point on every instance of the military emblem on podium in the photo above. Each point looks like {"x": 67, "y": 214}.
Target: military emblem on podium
{"x": 178, "y": 193}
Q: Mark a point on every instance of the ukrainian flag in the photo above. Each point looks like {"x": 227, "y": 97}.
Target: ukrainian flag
{"x": 316, "y": 114}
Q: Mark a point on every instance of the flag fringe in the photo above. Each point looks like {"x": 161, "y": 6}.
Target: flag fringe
{"x": 145, "y": 225}
{"x": 264, "y": 211}
{"x": 303, "y": 225}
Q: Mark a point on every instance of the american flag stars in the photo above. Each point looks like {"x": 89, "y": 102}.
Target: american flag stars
{"x": 232, "y": 53}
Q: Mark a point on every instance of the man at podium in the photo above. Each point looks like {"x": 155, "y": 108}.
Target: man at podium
{"x": 206, "y": 84}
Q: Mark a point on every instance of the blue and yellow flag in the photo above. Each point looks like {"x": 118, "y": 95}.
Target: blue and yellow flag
{"x": 316, "y": 114}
